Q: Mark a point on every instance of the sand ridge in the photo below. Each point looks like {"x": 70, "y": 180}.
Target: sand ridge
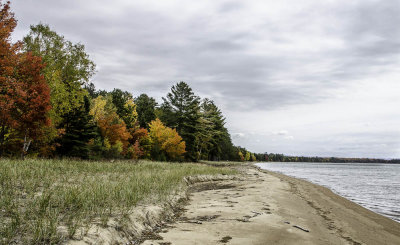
{"x": 269, "y": 208}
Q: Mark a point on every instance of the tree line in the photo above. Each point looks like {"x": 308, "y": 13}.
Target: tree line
{"x": 273, "y": 157}
{"x": 49, "y": 108}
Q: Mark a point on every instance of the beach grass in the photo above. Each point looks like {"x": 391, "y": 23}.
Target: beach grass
{"x": 223, "y": 163}
{"x": 39, "y": 196}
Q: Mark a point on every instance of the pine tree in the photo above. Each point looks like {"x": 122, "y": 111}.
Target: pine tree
{"x": 79, "y": 130}
{"x": 146, "y": 110}
{"x": 181, "y": 110}
{"x": 214, "y": 128}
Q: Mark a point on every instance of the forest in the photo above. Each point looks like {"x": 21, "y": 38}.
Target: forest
{"x": 50, "y": 108}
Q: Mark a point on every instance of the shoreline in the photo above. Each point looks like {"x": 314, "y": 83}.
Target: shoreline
{"x": 266, "y": 207}
{"x": 323, "y": 186}
{"x": 350, "y": 218}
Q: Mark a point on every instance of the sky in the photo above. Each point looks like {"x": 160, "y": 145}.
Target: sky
{"x": 296, "y": 77}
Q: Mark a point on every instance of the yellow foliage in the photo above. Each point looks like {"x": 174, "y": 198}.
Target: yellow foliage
{"x": 131, "y": 118}
{"x": 247, "y": 156}
{"x": 241, "y": 156}
{"x": 98, "y": 108}
{"x": 167, "y": 139}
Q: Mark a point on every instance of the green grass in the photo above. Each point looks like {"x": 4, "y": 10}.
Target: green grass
{"x": 39, "y": 196}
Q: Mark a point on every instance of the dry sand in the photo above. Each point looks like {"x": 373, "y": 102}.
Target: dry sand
{"x": 270, "y": 208}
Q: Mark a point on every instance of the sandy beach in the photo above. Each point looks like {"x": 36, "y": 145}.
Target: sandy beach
{"x": 269, "y": 208}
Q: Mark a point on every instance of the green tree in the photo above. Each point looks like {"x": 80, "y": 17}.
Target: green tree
{"x": 214, "y": 127}
{"x": 181, "y": 110}
{"x": 146, "y": 110}
{"x": 68, "y": 68}
{"x": 247, "y": 156}
{"x": 253, "y": 157}
{"x": 126, "y": 107}
{"x": 79, "y": 130}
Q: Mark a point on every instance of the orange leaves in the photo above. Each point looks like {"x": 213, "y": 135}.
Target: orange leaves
{"x": 167, "y": 139}
{"x": 111, "y": 126}
{"x": 114, "y": 132}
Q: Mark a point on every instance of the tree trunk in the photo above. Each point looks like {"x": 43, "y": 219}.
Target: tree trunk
{"x": 26, "y": 145}
{"x": 2, "y": 135}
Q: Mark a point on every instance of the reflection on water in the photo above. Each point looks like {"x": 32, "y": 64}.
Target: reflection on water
{"x": 374, "y": 186}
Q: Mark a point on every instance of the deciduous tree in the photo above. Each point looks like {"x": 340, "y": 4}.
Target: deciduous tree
{"x": 111, "y": 126}
{"x": 32, "y": 99}
{"x": 166, "y": 141}
{"x": 126, "y": 108}
{"x": 8, "y": 62}
{"x": 68, "y": 68}
{"x": 24, "y": 93}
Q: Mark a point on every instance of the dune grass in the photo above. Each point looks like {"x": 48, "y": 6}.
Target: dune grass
{"x": 39, "y": 196}
{"x": 224, "y": 163}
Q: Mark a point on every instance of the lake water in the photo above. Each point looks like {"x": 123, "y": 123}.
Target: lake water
{"x": 373, "y": 186}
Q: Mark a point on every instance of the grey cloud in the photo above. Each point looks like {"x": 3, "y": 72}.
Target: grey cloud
{"x": 230, "y": 6}
{"x": 243, "y": 59}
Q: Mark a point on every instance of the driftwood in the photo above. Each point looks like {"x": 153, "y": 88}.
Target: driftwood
{"x": 298, "y": 227}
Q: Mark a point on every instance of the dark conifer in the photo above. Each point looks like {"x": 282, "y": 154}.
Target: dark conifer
{"x": 79, "y": 130}
{"x": 181, "y": 110}
{"x": 145, "y": 107}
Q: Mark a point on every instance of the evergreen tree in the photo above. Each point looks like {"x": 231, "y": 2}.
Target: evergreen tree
{"x": 79, "y": 130}
{"x": 146, "y": 110}
{"x": 181, "y": 110}
{"x": 228, "y": 150}
{"x": 219, "y": 145}
{"x": 211, "y": 128}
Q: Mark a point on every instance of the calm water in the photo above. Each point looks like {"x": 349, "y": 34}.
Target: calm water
{"x": 374, "y": 186}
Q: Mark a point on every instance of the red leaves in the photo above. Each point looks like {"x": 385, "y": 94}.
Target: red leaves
{"x": 24, "y": 93}
{"x": 33, "y": 96}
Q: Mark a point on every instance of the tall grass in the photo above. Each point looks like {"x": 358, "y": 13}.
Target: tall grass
{"x": 37, "y": 197}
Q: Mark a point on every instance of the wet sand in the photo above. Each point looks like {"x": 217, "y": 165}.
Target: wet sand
{"x": 269, "y": 208}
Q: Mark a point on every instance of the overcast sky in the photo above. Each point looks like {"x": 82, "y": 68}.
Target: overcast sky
{"x": 294, "y": 77}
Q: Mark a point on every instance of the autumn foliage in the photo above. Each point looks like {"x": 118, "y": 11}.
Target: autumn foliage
{"x": 49, "y": 108}
{"x": 166, "y": 140}
{"x": 24, "y": 93}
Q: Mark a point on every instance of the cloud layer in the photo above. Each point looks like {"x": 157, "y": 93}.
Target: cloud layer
{"x": 275, "y": 62}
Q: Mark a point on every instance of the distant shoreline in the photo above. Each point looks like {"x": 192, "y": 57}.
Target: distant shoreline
{"x": 276, "y": 157}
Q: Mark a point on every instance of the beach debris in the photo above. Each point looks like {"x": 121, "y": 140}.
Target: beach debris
{"x": 287, "y": 222}
{"x": 225, "y": 239}
{"x": 257, "y": 213}
{"x": 207, "y": 217}
{"x": 300, "y": 228}
{"x": 193, "y": 222}
{"x": 243, "y": 220}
